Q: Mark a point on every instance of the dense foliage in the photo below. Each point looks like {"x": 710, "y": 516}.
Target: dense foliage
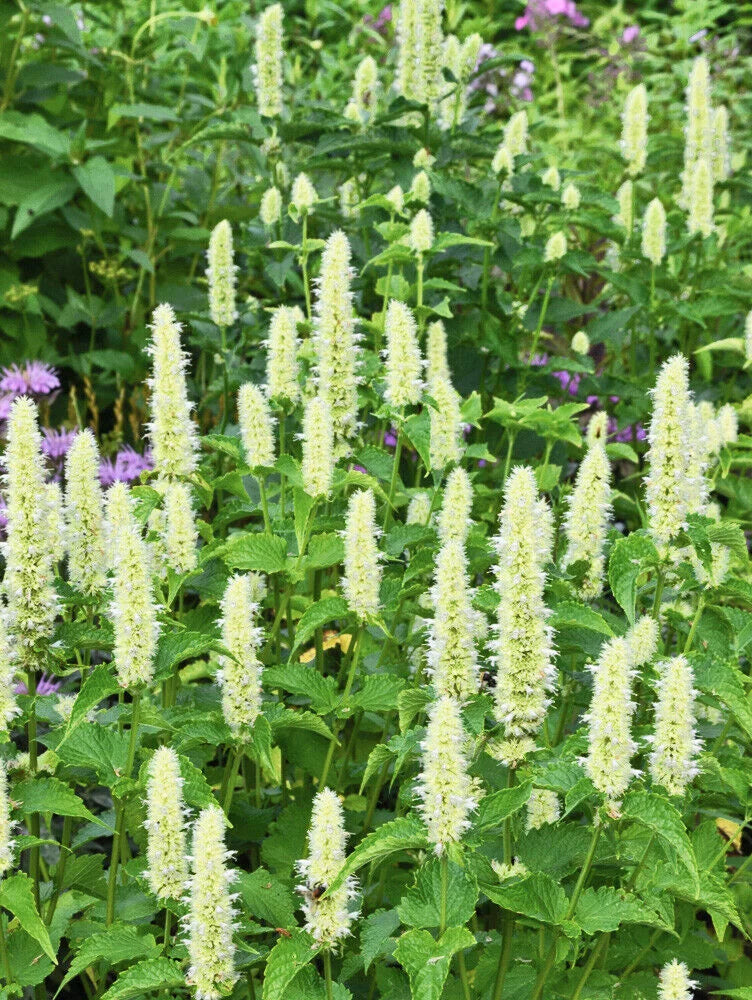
{"x": 377, "y": 603}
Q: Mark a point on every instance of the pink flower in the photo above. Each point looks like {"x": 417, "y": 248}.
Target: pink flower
{"x": 630, "y": 34}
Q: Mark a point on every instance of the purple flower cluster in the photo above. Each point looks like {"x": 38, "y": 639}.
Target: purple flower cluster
{"x": 381, "y": 22}
{"x": 126, "y": 466}
{"x": 45, "y": 685}
{"x": 35, "y": 379}
{"x": 540, "y": 13}
{"x": 496, "y": 82}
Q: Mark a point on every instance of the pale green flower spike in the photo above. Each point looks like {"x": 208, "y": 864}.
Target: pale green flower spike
{"x": 211, "y": 950}
{"x": 270, "y": 210}
{"x": 166, "y": 841}
{"x": 610, "y": 743}
{"x": 220, "y": 274}
{"x": 570, "y": 197}
{"x": 172, "y": 434}
{"x": 84, "y": 503}
{"x": 396, "y": 197}
{"x": 362, "y": 577}
{"x": 420, "y": 41}
{"x": 700, "y": 217}
{"x": 454, "y": 521}
{"x": 419, "y": 508}
{"x": 445, "y": 424}
{"x": 625, "y": 197}
{"x": 335, "y": 339}
{"x": 256, "y": 426}
{"x": 8, "y": 707}
{"x": 460, "y": 59}
{"x": 423, "y": 159}
{"x": 503, "y": 160}
{"x": 317, "y": 465}
{"x": 436, "y": 352}
{"x": 551, "y": 178}
{"x": 303, "y": 194}
{"x": 348, "y": 198}
{"x": 556, "y": 247}
{"x": 55, "y": 517}
{"x": 239, "y": 676}
{"x": 699, "y": 453}
{"x": 720, "y": 150}
{"x": 404, "y": 365}
{"x": 451, "y": 653}
{"x": 589, "y": 511}
{"x": 634, "y": 134}
{"x": 523, "y": 648}
{"x": 421, "y": 234}
{"x": 673, "y": 761}
{"x": 515, "y": 134}
{"x": 133, "y": 611}
{"x": 29, "y": 557}
{"x": 6, "y": 825}
{"x": 282, "y": 354}
{"x": 366, "y": 88}
{"x": 699, "y": 124}
{"x": 269, "y": 55}
{"x": 328, "y": 920}
{"x": 674, "y": 982}
{"x": 447, "y": 793}
{"x": 666, "y": 486}
{"x": 727, "y": 423}
{"x": 642, "y": 638}
{"x": 654, "y": 232}
{"x": 580, "y": 342}
{"x": 420, "y": 189}
{"x": 543, "y": 807}
{"x": 180, "y": 533}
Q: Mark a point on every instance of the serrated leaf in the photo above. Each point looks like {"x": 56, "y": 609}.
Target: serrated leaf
{"x": 630, "y": 557}
{"x": 100, "y": 684}
{"x": 402, "y": 834}
{"x": 146, "y": 977}
{"x": 93, "y": 746}
{"x": 17, "y": 896}
{"x": 665, "y": 822}
{"x": 324, "y": 550}
{"x": 177, "y": 646}
{"x": 421, "y": 904}
{"x": 427, "y": 961}
{"x": 260, "y": 552}
{"x": 378, "y": 694}
{"x": 316, "y": 616}
{"x": 266, "y": 898}
{"x": 288, "y": 956}
{"x": 606, "y": 908}
{"x": 571, "y": 614}
{"x": 50, "y": 795}
{"x": 493, "y": 809}
{"x": 306, "y": 681}
{"x": 118, "y": 943}
{"x": 417, "y": 430}
{"x": 537, "y": 896}
{"x": 376, "y": 935}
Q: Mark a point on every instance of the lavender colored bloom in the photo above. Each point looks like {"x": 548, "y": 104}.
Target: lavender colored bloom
{"x": 5, "y": 405}
{"x": 45, "y": 685}
{"x": 126, "y": 466}
{"x": 390, "y": 438}
{"x": 493, "y": 81}
{"x": 13, "y": 380}
{"x": 634, "y": 432}
{"x": 55, "y": 443}
{"x": 381, "y": 21}
{"x": 37, "y": 378}
{"x": 539, "y": 14}
{"x": 359, "y": 468}
{"x": 569, "y": 381}
{"x": 630, "y": 34}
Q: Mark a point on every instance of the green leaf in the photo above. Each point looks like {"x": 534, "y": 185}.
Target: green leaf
{"x": 285, "y": 718}
{"x": 288, "y": 956}
{"x": 33, "y": 130}
{"x": 316, "y": 616}
{"x": 51, "y": 795}
{"x": 493, "y": 809}
{"x": 261, "y": 742}
{"x": 144, "y": 978}
{"x": 177, "y": 646}
{"x": 266, "y": 898}
{"x": 402, "y": 834}
{"x": 410, "y": 702}
{"x": 100, "y": 684}
{"x": 307, "y": 681}
{"x": 302, "y": 505}
{"x": 97, "y": 179}
{"x": 196, "y": 790}
{"x": 605, "y": 909}
{"x": 421, "y": 905}
{"x": 568, "y": 614}
{"x": 417, "y": 430}
{"x": 427, "y": 961}
{"x": 630, "y": 557}
{"x": 731, "y": 535}
{"x": 41, "y": 201}
{"x": 264, "y": 553}
{"x": 119, "y": 943}
{"x": 324, "y": 550}
{"x": 537, "y": 896}
{"x": 665, "y": 822}
{"x": 151, "y": 112}
{"x": 93, "y": 746}
{"x": 376, "y": 939}
{"x": 378, "y": 694}
{"x": 17, "y": 896}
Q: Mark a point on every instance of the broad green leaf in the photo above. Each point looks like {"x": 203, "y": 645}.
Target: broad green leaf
{"x": 572, "y": 614}
{"x": 17, "y": 896}
{"x": 537, "y": 896}
{"x": 100, "y": 684}
{"x": 402, "y": 834}
{"x": 97, "y": 179}
{"x": 264, "y": 553}
{"x": 146, "y": 977}
{"x": 605, "y": 909}
{"x": 266, "y": 898}
{"x": 376, "y": 932}
{"x": 427, "y": 961}
{"x": 50, "y": 795}
{"x": 93, "y": 746}
{"x": 630, "y": 557}
{"x": 417, "y": 430}
{"x": 665, "y": 822}
{"x": 119, "y": 943}
{"x": 493, "y": 809}
{"x": 34, "y": 130}
{"x": 378, "y": 694}
{"x": 306, "y": 681}
{"x": 41, "y": 201}
{"x": 316, "y": 616}
{"x": 421, "y": 905}
{"x": 288, "y": 956}
{"x": 176, "y": 646}
{"x": 324, "y": 550}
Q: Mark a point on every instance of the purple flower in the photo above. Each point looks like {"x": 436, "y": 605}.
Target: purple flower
{"x": 568, "y": 381}
{"x": 55, "y": 443}
{"x": 495, "y": 80}
{"x": 630, "y": 34}
{"x": 45, "y": 685}
{"x": 380, "y": 22}
{"x": 390, "y": 438}
{"x": 359, "y": 468}
{"x": 539, "y": 13}
{"x": 13, "y": 380}
{"x": 634, "y": 432}
{"x": 36, "y": 377}
{"x": 127, "y": 466}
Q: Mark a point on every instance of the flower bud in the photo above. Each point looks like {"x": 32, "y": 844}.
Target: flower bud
{"x": 673, "y": 762}
{"x": 625, "y": 197}
{"x": 551, "y": 178}
{"x": 268, "y": 68}
{"x": 239, "y": 676}
{"x": 420, "y": 189}
{"x": 570, "y": 197}
{"x": 634, "y": 135}
{"x": 515, "y": 134}
{"x": 654, "y": 232}
{"x": 421, "y": 232}
{"x": 556, "y": 247}
{"x": 282, "y": 354}
{"x": 580, "y": 342}
{"x": 366, "y": 88}
{"x": 700, "y": 218}
{"x": 270, "y": 210}
{"x": 445, "y": 424}
{"x": 84, "y": 505}
{"x": 304, "y": 195}
{"x": 397, "y": 198}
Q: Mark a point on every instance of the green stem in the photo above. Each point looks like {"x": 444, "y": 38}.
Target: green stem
{"x": 640, "y": 955}
{"x": 444, "y": 886}
{"x": 166, "y": 937}
{"x": 590, "y": 965}
{"x": 304, "y": 268}
{"x": 695, "y": 623}
{"x": 395, "y": 474}
{"x": 4, "y": 953}
{"x": 264, "y": 504}
{"x": 120, "y": 813}
{"x": 225, "y": 383}
{"x": 31, "y": 734}
{"x": 419, "y": 292}
{"x": 282, "y": 479}
{"x": 65, "y": 841}
{"x": 328, "y": 974}
{"x": 337, "y": 728}
{"x": 487, "y": 255}
{"x": 231, "y": 779}
{"x": 539, "y": 327}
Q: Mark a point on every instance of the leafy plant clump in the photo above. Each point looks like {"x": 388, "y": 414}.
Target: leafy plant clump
{"x": 376, "y": 609}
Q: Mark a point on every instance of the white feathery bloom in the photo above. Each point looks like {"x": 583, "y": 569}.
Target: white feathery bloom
{"x": 256, "y": 426}
{"x": 454, "y": 518}
{"x": 674, "y": 982}
{"x": 571, "y": 197}
{"x": 700, "y": 217}
{"x": 239, "y": 676}
{"x": 165, "y": 828}
{"x": 396, "y": 198}
{"x": 634, "y": 135}
{"x": 447, "y": 793}
{"x": 361, "y": 581}
{"x": 625, "y": 197}
{"x": 180, "y": 538}
{"x": 420, "y": 237}
{"x": 503, "y": 160}
{"x": 335, "y": 340}
{"x": 654, "y": 232}
{"x": 589, "y": 511}
{"x": 451, "y": 653}
{"x": 210, "y": 922}
{"x": 673, "y": 761}
{"x": 366, "y": 88}
{"x": 419, "y": 508}
{"x": 270, "y": 209}
{"x": 667, "y": 489}
{"x": 436, "y": 352}
{"x": 420, "y": 49}
{"x": 172, "y": 434}
{"x": 133, "y": 611}
{"x": 642, "y": 639}
{"x": 610, "y": 743}
{"x": 543, "y": 808}
{"x": 404, "y": 364}
{"x": 8, "y": 707}
{"x": 55, "y": 518}
{"x": 29, "y": 557}
{"x": 282, "y": 354}
{"x": 6, "y": 824}
{"x": 551, "y": 177}
{"x": 221, "y": 275}
{"x": 556, "y": 247}
{"x": 445, "y": 424}
{"x": 303, "y": 195}
{"x": 523, "y": 648}
{"x": 515, "y": 134}
{"x": 420, "y": 189}
{"x": 720, "y": 150}
{"x": 698, "y": 136}
{"x": 269, "y": 55}
{"x": 328, "y": 918}
{"x": 317, "y": 464}
{"x": 84, "y": 503}
{"x": 727, "y": 424}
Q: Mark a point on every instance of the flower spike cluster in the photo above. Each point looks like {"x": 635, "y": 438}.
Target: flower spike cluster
{"x": 165, "y": 828}
{"x": 84, "y": 515}
{"x": 8, "y": 706}
{"x": 634, "y": 136}
{"x": 362, "y": 577}
{"x": 446, "y": 424}
{"x": 654, "y": 232}
{"x": 674, "y": 982}
{"x": 317, "y": 465}
{"x": 420, "y": 41}
{"x": 523, "y": 649}
{"x": 239, "y": 676}
{"x": 454, "y": 518}
{"x": 6, "y": 824}
{"x": 447, "y": 793}
{"x": 211, "y": 950}
{"x": 673, "y": 761}
{"x": 221, "y": 275}
{"x": 268, "y": 68}
{"x": 451, "y": 654}
{"x": 403, "y": 361}
{"x": 256, "y": 426}
{"x": 282, "y": 354}
{"x": 180, "y": 535}
{"x": 610, "y": 743}
{"x": 328, "y": 918}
